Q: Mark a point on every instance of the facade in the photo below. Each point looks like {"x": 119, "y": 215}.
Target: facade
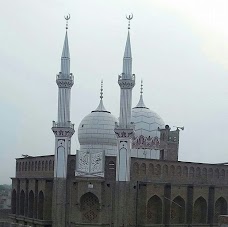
{"x": 126, "y": 172}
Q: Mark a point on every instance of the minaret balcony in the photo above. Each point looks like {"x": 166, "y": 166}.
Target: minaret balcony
{"x": 65, "y": 81}
{"x": 126, "y": 83}
{"x": 63, "y": 129}
{"x": 63, "y": 125}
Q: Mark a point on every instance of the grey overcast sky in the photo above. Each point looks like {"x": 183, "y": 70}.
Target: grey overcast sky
{"x": 179, "y": 47}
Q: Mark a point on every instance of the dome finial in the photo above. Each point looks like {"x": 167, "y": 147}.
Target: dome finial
{"x": 129, "y": 17}
{"x": 67, "y": 18}
{"x": 141, "y": 89}
{"x": 101, "y": 93}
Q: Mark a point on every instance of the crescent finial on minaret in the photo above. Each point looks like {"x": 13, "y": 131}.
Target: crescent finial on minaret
{"x": 67, "y": 18}
{"x": 141, "y": 89}
{"x": 129, "y": 18}
{"x": 101, "y": 94}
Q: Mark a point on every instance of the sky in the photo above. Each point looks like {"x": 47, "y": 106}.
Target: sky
{"x": 179, "y": 48}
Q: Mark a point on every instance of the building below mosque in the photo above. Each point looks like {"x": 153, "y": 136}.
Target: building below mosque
{"x": 126, "y": 172}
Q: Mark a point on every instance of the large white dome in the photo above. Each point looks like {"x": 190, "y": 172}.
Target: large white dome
{"x": 146, "y": 121}
{"x": 97, "y": 128}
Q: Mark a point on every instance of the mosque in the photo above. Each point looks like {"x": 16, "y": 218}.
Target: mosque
{"x": 126, "y": 172}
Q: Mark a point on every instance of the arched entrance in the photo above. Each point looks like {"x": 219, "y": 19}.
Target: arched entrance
{"x": 154, "y": 210}
{"x": 178, "y": 211}
{"x": 41, "y": 205}
{"x": 22, "y": 203}
{"x": 31, "y": 204}
{"x": 220, "y": 208}
{"x": 14, "y": 202}
{"x": 200, "y": 211}
{"x": 89, "y": 208}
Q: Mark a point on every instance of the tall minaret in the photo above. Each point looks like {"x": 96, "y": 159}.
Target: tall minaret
{"x": 63, "y": 130}
{"x": 125, "y": 129}
{"x": 124, "y": 132}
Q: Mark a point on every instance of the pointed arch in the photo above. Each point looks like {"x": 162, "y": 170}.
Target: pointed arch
{"x": 185, "y": 171}
{"x": 143, "y": 168}
{"x": 151, "y": 168}
{"x": 42, "y": 166}
{"x": 154, "y": 210}
{"x": 220, "y": 208}
{"x": 178, "y": 211}
{"x": 179, "y": 171}
{"x": 172, "y": 170}
{"x": 136, "y": 168}
{"x": 204, "y": 173}
{"x": 46, "y": 165}
{"x": 198, "y": 172}
{"x": 31, "y": 204}
{"x": 50, "y": 165}
{"x": 22, "y": 203}
{"x": 41, "y": 205}
{"x": 192, "y": 172}
{"x": 89, "y": 208}
{"x": 165, "y": 170}
{"x": 158, "y": 170}
{"x": 14, "y": 202}
{"x": 200, "y": 211}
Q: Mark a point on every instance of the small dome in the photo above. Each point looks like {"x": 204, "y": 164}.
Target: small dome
{"x": 97, "y": 128}
{"x": 146, "y": 121}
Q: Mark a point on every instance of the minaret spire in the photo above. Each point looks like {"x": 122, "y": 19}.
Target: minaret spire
{"x": 65, "y": 58}
{"x": 63, "y": 130}
{"x": 101, "y": 107}
{"x": 141, "y": 102}
{"x": 127, "y": 60}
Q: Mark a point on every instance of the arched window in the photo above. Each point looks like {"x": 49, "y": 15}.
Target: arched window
{"x": 26, "y": 166}
{"x": 39, "y": 166}
{"x": 178, "y": 171}
{"x": 220, "y": 208}
{"x": 46, "y": 165}
{"x": 23, "y": 166}
{"x": 14, "y": 202}
{"x": 151, "y": 169}
{"x": 158, "y": 169}
{"x": 136, "y": 168}
{"x": 222, "y": 174}
{"x": 42, "y": 165}
{"x": 165, "y": 170}
{"x": 198, "y": 172}
{"x": 217, "y": 173}
{"x": 35, "y": 165}
{"x": 200, "y": 211}
{"x": 20, "y": 166}
{"x": 192, "y": 172}
{"x": 31, "y": 204}
{"x": 154, "y": 210}
{"x": 50, "y": 165}
{"x": 17, "y": 166}
{"x": 89, "y": 208}
{"x": 29, "y": 166}
{"x": 41, "y": 205}
{"x": 210, "y": 172}
{"x": 185, "y": 171}
{"x": 22, "y": 203}
{"x": 172, "y": 170}
{"x": 204, "y": 173}
{"x": 32, "y": 168}
{"x": 143, "y": 168}
{"x": 178, "y": 211}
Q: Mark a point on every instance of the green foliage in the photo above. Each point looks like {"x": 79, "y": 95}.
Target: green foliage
{"x": 4, "y": 187}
